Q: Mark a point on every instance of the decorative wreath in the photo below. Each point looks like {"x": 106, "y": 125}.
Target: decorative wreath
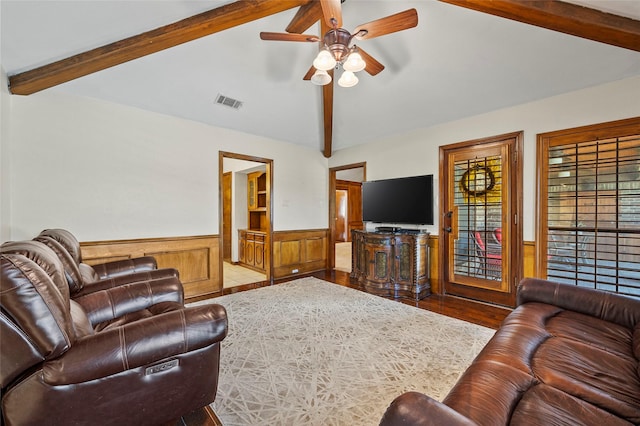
{"x": 477, "y": 180}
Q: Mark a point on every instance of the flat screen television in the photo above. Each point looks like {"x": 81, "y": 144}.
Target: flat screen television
{"x": 406, "y": 200}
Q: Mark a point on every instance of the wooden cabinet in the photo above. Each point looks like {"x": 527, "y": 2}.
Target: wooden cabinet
{"x": 391, "y": 264}
{"x": 251, "y": 249}
{"x": 251, "y": 241}
{"x": 257, "y": 200}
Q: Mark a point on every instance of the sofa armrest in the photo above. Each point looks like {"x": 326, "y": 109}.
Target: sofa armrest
{"x": 138, "y": 344}
{"x": 106, "y": 283}
{"x": 126, "y": 266}
{"x": 416, "y": 409}
{"x": 105, "y": 305}
{"x": 597, "y": 303}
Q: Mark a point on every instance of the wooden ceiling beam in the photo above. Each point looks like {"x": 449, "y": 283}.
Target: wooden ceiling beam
{"x": 564, "y": 17}
{"x": 185, "y": 30}
{"x": 327, "y": 108}
{"x": 327, "y": 105}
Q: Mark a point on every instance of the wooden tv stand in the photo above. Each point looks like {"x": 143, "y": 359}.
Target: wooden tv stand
{"x": 391, "y": 264}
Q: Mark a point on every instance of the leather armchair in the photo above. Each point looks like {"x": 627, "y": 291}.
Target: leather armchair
{"x": 127, "y": 355}
{"x": 103, "y": 270}
{"x": 83, "y": 278}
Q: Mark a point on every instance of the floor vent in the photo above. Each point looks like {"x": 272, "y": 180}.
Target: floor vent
{"x": 227, "y": 101}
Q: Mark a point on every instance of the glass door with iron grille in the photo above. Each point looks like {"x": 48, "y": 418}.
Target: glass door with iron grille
{"x": 478, "y": 219}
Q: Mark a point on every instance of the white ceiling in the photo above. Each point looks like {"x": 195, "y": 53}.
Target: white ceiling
{"x": 455, "y": 63}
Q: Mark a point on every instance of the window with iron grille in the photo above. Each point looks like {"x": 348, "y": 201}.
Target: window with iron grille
{"x": 589, "y": 201}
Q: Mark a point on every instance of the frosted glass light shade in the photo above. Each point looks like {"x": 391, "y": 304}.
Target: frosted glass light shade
{"x": 348, "y": 79}
{"x": 320, "y": 78}
{"x": 354, "y": 63}
{"x": 324, "y": 61}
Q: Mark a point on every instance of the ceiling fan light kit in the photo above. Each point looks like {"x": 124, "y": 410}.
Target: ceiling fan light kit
{"x": 335, "y": 50}
{"x": 320, "y": 78}
{"x": 348, "y": 79}
{"x": 328, "y": 58}
{"x": 324, "y": 61}
{"x": 354, "y": 62}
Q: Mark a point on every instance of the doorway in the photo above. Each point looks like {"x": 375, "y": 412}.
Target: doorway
{"x": 481, "y": 214}
{"x": 245, "y": 219}
{"x": 345, "y": 212}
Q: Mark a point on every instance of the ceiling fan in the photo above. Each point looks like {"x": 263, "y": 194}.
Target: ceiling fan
{"x": 337, "y": 48}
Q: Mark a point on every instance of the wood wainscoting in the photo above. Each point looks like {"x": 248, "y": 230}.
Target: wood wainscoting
{"x": 301, "y": 251}
{"x": 196, "y": 258}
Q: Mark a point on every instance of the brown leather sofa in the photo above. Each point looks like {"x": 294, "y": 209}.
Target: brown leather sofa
{"x": 132, "y": 354}
{"x": 565, "y": 356}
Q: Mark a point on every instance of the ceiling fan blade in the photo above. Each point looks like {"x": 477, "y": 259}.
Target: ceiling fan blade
{"x": 309, "y": 73}
{"x": 373, "y": 67}
{"x": 288, "y": 37}
{"x": 390, "y": 24}
{"x": 332, "y": 11}
{"x": 305, "y": 17}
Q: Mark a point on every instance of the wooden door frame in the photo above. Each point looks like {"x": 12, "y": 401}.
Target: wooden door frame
{"x": 222, "y": 241}
{"x": 331, "y": 249}
{"x": 269, "y": 243}
{"x": 516, "y": 175}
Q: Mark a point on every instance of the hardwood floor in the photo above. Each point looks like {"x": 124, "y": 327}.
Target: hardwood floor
{"x": 468, "y": 310}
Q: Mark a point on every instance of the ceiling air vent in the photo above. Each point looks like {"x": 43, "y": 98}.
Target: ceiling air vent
{"x": 227, "y": 101}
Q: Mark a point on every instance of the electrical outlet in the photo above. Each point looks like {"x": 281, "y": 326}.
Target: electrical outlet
{"x": 294, "y": 271}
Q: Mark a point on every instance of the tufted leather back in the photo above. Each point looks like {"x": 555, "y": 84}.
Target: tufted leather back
{"x": 45, "y": 258}
{"x": 68, "y": 241}
{"x": 35, "y": 319}
{"x": 71, "y": 269}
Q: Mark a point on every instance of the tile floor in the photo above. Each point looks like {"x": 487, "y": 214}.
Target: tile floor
{"x": 343, "y": 257}
{"x": 235, "y": 275}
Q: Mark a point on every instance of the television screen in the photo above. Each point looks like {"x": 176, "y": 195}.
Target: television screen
{"x": 403, "y": 200}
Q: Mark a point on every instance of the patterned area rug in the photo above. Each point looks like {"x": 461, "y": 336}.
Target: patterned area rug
{"x": 308, "y": 352}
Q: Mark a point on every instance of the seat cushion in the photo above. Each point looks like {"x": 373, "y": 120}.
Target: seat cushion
{"x": 543, "y": 405}
{"x": 594, "y": 375}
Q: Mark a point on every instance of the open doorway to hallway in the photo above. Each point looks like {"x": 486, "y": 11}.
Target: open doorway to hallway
{"x": 245, "y": 188}
{"x": 345, "y": 212}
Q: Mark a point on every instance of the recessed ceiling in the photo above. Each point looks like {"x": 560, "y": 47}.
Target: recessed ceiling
{"x": 456, "y": 63}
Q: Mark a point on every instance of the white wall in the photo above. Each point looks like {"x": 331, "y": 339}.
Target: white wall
{"x": 105, "y": 171}
{"x": 5, "y": 178}
{"x": 416, "y": 153}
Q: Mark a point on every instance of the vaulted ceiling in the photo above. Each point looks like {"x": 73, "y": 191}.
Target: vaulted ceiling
{"x": 176, "y": 56}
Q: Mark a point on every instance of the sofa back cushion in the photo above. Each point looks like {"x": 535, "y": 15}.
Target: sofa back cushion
{"x": 71, "y": 270}
{"x": 45, "y": 258}
{"x": 68, "y": 240}
{"x": 36, "y": 319}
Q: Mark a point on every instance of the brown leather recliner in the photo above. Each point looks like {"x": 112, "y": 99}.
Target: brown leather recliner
{"x": 81, "y": 284}
{"x": 128, "y": 355}
{"x": 101, "y": 271}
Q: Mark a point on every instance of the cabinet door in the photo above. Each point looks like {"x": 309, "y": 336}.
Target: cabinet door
{"x": 252, "y": 192}
{"x": 259, "y": 255}
{"x": 250, "y": 252}
{"x": 404, "y": 266}
{"x": 379, "y": 258}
